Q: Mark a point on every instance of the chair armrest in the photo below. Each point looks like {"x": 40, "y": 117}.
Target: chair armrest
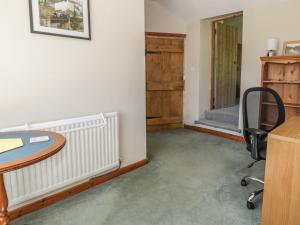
{"x": 255, "y": 137}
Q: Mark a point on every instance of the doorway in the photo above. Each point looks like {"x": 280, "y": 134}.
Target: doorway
{"x": 226, "y": 61}
{"x": 226, "y": 58}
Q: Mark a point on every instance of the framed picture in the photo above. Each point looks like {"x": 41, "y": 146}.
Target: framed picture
{"x": 291, "y": 48}
{"x": 66, "y": 18}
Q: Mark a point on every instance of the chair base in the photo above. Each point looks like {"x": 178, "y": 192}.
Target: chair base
{"x": 246, "y": 179}
{"x": 252, "y": 197}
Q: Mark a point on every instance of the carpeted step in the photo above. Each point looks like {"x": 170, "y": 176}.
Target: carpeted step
{"x": 227, "y": 115}
{"x": 217, "y": 124}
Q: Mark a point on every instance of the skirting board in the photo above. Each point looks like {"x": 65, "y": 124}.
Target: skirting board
{"x": 14, "y": 214}
{"x": 216, "y": 133}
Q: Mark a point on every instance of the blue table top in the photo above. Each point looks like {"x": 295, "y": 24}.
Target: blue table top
{"x": 29, "y": 149}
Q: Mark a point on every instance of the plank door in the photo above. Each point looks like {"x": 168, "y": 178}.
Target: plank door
{"x": 226, "y": 73}
{"x": 164, "y": 77}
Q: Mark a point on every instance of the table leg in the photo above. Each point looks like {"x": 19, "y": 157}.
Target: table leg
{"x": 4, "y": 219}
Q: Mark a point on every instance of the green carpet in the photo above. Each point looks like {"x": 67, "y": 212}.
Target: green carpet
{"x": 192, "y": 179}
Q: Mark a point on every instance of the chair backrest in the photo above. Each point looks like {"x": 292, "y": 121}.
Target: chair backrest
{"x": 263, "y": 109}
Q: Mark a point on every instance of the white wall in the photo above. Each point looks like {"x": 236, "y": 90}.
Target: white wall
{"x": 191, "y": 75}
{"x": 197, "y": 70}
{"x": 205, "y": 65}
{"x": 48, "y": 78}
{"x": 262, "y": 20}
{"x": 279, "y": 20}
{"x": 159, "y": 19}
{"x": 197, "y": 45}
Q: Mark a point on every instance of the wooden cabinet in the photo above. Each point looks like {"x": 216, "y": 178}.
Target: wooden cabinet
{"x": 281, "y": 73}
{"x": 281, "y": 203}
{"x": 164, "y": 77}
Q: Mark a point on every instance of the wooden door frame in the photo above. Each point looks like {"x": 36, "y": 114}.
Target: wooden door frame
{"x": 213, "y": 48}
{"x": 170, "y": 35}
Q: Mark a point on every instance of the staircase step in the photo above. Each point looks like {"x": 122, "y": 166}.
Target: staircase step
{"x": 217, "y": 124}
{"x": 227, "y": 115}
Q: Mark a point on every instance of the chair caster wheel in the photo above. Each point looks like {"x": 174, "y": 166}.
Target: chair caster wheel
{"x": 244, "y": 183}
{"x": 250, "y": 205}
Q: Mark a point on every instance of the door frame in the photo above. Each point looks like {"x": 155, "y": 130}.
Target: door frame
{"x": 213, "y": 48}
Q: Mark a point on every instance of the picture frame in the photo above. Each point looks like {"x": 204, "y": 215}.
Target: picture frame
{"x": 64, "y": 18}
{"x": 291, "y": 48}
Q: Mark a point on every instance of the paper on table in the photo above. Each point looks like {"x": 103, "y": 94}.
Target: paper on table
{"x": 10, "y": 144}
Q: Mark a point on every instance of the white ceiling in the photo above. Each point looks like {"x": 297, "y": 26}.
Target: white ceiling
{"x": 190, "y": 10}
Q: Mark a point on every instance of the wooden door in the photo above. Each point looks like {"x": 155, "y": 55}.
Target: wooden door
{"x": 164, "y": 77}
{"x": 226, "y": 65}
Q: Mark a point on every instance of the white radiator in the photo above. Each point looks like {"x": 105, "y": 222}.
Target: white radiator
{"x": 92, "y": 149}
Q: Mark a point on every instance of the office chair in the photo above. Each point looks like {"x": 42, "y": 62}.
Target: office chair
{"x": 263, "y": 111}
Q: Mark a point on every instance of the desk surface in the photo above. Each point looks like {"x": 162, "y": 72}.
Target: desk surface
{"x": 30, "y": 153}
{"x": 289, "y": 131}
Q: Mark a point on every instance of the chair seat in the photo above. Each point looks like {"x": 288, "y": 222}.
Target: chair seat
{"x": 263, "y": 154}
{"x": 262, "y": 150}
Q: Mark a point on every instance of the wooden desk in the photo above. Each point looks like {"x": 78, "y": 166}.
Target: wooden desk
{"x": 25, "y": 156}
{"x": 281, "y": 204}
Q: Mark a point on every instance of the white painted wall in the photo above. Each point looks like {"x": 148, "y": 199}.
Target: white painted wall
{"x": 191, "y": 101}
{"x": 197, "y": 47}
{"x": 256, "y": 21}
{"x": 197, "y": 70}
{"x": 280, "y": 21}
{"x": 193, "y": 10}
{"x": 205, "y": 66}
{"x": 262, "y": 20}
{"x": 160, "y": 19}
{"x": 48, "y": 78}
